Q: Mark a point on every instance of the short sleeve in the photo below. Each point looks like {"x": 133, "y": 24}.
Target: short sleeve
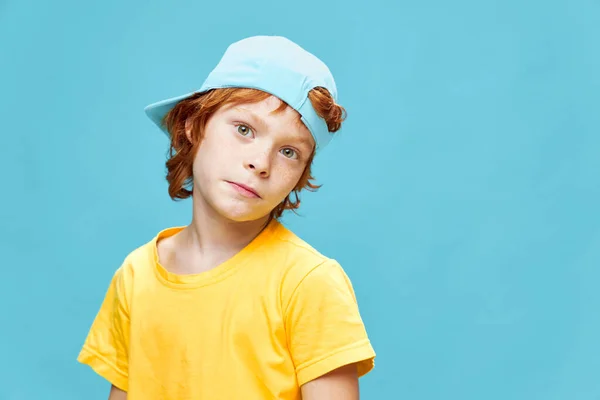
{"x": 323, "y": 324}
{"x": 106, "y": 347}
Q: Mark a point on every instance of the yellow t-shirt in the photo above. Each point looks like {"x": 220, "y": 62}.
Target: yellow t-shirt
{"x": 271, "y": 318}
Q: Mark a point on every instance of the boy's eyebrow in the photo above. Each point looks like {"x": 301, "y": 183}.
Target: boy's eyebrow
{"x": 256, "y": 120}
{"x": 262, "y": 125}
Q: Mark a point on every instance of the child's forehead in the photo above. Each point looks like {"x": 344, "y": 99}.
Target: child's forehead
{"x": 268, "y": 105}
{"x": 269, "y": 109}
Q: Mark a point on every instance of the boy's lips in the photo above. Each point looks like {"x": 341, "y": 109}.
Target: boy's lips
{"x": 245, "y": 189}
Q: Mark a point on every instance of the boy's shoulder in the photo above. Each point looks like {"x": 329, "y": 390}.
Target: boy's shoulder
{"x": 297, "y": 258}
{"x": 305, "y": 271}
{"x": 144, "y": 256}
{"x": 295, "y": 245}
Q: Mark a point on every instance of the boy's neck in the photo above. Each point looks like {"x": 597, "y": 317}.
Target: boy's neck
{"x": 211, "y": 239}
{"x": 208, "y": 230}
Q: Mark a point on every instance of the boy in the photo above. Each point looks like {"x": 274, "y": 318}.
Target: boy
{"x": 234, "y": 305}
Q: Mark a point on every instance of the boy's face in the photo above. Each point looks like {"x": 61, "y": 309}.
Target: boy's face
{"x": 248, "y": 146}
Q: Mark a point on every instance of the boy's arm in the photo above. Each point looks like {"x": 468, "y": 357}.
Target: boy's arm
{"x": 326, "y": 335}
{"x": 339, "y": 384}
{"x": 106, "y": 347}
{"x": 116, "y": 394}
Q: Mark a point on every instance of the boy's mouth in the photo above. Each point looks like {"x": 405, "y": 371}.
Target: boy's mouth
{"x": 244, "y": 189}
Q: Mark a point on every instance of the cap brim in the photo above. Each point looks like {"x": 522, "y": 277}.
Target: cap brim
{"x": 157, "y": 111}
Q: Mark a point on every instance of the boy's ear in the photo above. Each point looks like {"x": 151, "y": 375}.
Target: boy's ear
{"x": 188, "y": 129}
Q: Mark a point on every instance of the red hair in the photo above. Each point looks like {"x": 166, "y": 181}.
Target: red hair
{"x": 200, "y": 107}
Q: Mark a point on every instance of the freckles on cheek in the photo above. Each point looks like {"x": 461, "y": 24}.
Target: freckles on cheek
{"x": 289, "y": 175}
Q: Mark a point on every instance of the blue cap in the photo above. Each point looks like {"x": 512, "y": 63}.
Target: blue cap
{"x": 273, "y": 64}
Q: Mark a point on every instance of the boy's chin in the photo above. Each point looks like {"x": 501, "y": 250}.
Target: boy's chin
{"x": 243, "y": 215}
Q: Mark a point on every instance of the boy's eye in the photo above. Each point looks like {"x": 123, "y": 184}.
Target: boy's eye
{"x": 289, "y": 153}
{"x": 244, "y": 130}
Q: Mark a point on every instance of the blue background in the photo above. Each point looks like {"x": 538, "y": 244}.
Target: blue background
{"x": 461, "y": 196}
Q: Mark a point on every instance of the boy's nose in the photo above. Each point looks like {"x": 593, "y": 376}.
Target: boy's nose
{"x": 260, "y": 165}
